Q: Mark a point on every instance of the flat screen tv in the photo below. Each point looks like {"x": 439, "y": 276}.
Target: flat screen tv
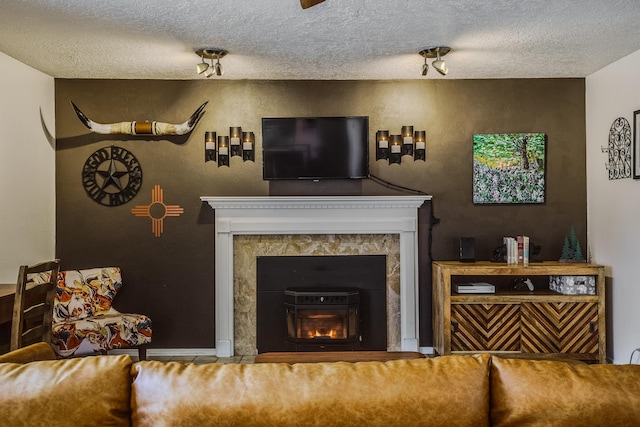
{"x": 315, "y": 148}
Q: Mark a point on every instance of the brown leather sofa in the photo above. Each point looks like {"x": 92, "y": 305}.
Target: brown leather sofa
{"x": 444, "y": 391}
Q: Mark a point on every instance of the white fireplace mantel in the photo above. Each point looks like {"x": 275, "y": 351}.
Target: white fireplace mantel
{"x": 315, "y": 215}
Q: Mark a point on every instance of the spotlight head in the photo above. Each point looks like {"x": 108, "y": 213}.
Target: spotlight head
{"x": 425, "y": 68}
{"x": 218, "y": 68}
{"x": 209, "y": 72}
{"x": 202, "y": 67}
{"x": 440, "y": 66}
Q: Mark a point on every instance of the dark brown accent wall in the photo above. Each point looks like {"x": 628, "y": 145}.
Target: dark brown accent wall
{"x": 170, "y": 278}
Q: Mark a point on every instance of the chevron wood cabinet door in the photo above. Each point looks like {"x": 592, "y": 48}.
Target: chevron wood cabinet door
{"x": 560, "y": 327}
{"x": 485, "y": 327}
{"x": 538, "y": 323}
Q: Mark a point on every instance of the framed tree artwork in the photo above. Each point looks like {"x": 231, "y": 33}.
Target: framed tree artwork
{"x": 636, "y": 144}
{"x": 509, "y": 168}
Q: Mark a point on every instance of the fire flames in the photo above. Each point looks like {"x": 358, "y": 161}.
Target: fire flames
{"x": 322, "y": 326}
{"x": 323, "y": 333}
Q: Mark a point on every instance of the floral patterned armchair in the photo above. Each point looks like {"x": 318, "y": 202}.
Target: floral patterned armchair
{"x": 84, "y": 322}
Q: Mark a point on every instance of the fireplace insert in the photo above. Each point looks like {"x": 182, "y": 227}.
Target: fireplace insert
{"x": 322, "y": 319}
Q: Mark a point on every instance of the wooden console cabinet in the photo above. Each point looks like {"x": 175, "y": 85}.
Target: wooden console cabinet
{"x": 538, "y": 323}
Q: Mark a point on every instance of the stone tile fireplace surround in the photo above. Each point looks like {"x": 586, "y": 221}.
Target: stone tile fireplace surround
{"x": 244, "y": 224}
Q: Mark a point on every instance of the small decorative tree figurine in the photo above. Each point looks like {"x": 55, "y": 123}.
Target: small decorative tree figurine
{"x": 571, "y": 251}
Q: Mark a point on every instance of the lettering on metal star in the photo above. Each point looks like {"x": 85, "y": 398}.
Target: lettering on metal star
{"x": 112, "y": 176}
{"x": 157, "y": 210}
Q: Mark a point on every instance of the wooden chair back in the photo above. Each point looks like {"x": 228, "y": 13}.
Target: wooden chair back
{"x": 33, "y": 304}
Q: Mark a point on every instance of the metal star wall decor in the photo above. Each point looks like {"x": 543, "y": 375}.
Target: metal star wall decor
{"x": 112, "y": 176}
{"x": 157, "y": 210}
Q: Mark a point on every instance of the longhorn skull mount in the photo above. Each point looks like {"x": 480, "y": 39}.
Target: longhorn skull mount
{"x": 141, "y": 128}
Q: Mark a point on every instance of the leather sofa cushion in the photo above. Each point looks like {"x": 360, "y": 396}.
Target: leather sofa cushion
{"x": 527, "y": 393}
{"x": 92, "y": 391}
{"x": 446, "y": 391}
{"x": 30, "y": 353}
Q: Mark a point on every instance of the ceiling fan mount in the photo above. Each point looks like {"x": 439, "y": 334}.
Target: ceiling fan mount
{"x": 308, "y": 3}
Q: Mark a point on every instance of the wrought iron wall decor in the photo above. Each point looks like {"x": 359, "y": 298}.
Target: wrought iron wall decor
{"x": 394, "y": 147}
{"x": 619, "y": 149}
{"x": 157, "y": 211}
{"x": 141, "y": 128}
{"x": 112, "y": 176}
{"x": 636, "y": 144}
{"x": 221, "y": 147}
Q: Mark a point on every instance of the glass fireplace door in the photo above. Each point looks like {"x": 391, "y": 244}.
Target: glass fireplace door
{"x": 322, "y": 318}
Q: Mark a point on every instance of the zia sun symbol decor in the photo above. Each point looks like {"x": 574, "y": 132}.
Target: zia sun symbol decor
{"x": 157, "y": 210}
{"x": 509, "y": 168}
{"x": 619, "y": 149}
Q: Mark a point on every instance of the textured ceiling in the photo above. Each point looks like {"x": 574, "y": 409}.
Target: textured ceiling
{"x": 337, "y": 39}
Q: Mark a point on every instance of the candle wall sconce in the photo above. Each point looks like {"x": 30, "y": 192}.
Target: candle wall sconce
{"x": 382, "y": 144}
{"x": 209, "y": 146}
{"x": 407, "y": 140}
{"x": 248, "y": 146}
{"x": 235, "y": 134}
{"x": 408, "y": 143}
{"x": 420, "y": 152}
{"x": 395, "y": 154}
{"x": 221, "y": 148}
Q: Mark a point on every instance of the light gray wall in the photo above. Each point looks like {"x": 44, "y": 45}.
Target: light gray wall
{"x": 27, "y": 167}
{"x": 614, "y": 205}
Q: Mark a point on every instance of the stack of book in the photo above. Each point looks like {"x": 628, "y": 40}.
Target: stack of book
{"x": 517, "y": 250}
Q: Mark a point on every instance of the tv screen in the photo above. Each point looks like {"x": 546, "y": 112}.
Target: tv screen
{"x": 315, "y": 148}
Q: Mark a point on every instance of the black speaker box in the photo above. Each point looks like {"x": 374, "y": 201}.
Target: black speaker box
{"x": 467, "y": 249}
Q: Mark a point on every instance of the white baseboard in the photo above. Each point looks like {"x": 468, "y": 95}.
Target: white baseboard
{"x": 426, "y": 350}
{"x": 168, "y": 352}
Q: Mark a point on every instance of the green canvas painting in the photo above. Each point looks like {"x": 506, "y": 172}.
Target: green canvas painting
{"x": 509, "y": 168}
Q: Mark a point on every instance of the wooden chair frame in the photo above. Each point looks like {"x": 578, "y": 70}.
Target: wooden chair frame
{"x": 33, "y": 305}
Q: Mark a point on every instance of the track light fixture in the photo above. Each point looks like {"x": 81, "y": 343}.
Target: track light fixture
{"x": 210, "y": 53}
{"x": 438, "y": 64}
